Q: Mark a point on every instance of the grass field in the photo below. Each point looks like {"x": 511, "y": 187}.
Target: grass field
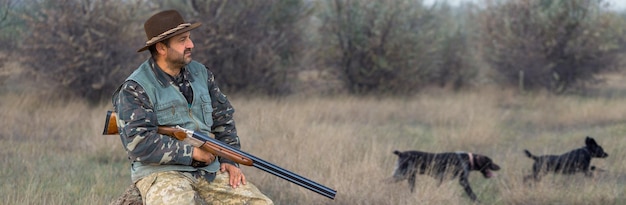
{"x": 52, "y": 151}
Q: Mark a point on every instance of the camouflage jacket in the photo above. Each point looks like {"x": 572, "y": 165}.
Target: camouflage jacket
{"x": 140, "y": 137}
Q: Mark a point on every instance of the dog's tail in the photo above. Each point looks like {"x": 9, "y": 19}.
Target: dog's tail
{"x": 530, "y": 155}
{"x": 396, "y": 152}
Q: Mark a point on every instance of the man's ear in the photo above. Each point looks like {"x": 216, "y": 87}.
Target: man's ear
{"x": 161, "y": 48}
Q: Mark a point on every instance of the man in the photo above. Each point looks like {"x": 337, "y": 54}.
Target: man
{"x": 170, "y": 89}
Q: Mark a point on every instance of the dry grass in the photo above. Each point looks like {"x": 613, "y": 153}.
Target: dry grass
{"x": 52, "y": 152}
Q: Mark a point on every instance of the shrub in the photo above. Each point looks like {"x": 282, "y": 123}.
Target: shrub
{"x": 88, "y": 47}
{"x": 379, "y": 45}
{"x": 555, "y": 45}
{"x": 9, "y": 30}
{"x": 252, "y": 46}
{"x": 457, "y": 60}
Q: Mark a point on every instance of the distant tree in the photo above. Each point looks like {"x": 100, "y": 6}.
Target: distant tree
{"x": 9, "y": 29}
{"x": 10, "y": 24}
{"x": 253, "y": 46}
{"x": 381, "y": 45}
{"x": 556, "y": 45}
{"x": 456, "y": 67}
{"x": 88, "y": 47}
{"x": 457, "y": 59}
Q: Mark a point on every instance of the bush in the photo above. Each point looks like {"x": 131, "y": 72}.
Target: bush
{"x": 9, "y": 29}
{"x": 457, "y": 60}
{"x": 394, "y": 46}
{"x": 252, "y": 46}
{"x": 10, "y": 24}
{"x": 88, "y": 47}
{"x": 555, "y": 45}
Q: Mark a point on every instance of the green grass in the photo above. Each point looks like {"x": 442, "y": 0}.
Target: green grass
{"x": 52, "y": 151}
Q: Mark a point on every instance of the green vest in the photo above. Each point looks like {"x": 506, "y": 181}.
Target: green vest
{"x": 172, "y": 109}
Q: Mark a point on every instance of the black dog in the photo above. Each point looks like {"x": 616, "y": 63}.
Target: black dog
{"x": 442, "y": 166}
{"x": 575, "y": 161}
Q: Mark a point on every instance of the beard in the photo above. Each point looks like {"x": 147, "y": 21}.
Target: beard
{"x": 177, "y": 59}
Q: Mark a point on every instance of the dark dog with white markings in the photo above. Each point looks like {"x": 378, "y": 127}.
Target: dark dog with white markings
{"x": 572, "y": 162}
{"x": 442, "y": 166}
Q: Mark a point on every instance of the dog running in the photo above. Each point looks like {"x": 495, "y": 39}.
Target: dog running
{"x": 442, "y": 166}
{"x": 572, "y": 162}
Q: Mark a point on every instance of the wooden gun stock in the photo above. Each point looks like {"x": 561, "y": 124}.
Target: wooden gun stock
{"x": 221, "y": 149}
{"x": 110, "y": 124}
{"x": 110, "y": 128}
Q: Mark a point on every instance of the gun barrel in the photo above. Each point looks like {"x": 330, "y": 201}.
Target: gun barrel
{"x": 294, "y": 178}
{"x": 275, "y": 170}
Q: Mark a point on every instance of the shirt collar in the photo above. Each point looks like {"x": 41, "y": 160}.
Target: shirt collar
{"x": 164, "y": 78}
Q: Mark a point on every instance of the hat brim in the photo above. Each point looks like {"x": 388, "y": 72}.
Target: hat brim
{"x": 191, "y": 27}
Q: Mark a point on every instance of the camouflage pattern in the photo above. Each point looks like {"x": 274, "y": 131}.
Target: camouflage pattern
{"x": 131, "y": 196}
{"x": 220, "y": 192}
{"x": 168, "y": 188}
{"x": 138, "y": 123}
{"x": 183, "y": 188}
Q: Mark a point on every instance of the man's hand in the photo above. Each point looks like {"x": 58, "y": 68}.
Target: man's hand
{"x": 202, "y": 156}
{"x": 236, "y": 176}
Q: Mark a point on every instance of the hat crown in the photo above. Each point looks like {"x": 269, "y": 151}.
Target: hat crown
{"x": 164, "y": 25}
{"x": 162, "y": 22}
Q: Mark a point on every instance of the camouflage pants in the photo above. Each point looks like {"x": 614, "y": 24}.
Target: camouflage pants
{"x": 179, "y": 188}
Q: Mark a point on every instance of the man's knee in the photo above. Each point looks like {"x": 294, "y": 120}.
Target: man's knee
{"x": 168, "y": 188}
{"x": 220, "y": 192}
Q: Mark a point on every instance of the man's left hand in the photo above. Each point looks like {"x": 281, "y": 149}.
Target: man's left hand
{"x": 236, "y": 175}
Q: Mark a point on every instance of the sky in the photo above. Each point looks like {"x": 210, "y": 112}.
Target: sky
{"x": 616, "y": 4}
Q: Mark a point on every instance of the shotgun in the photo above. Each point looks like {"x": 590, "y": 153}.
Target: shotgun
{"x": 222, "y": 149}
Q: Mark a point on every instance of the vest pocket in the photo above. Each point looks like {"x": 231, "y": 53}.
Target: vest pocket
{"x": 207, "y": 110}
{"x": 167, "y": 113}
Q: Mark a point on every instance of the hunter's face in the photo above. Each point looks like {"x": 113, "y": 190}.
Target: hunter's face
{"x": 179, "y": 50}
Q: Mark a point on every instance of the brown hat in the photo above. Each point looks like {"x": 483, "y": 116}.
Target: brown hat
{"x": 164, "y": 25}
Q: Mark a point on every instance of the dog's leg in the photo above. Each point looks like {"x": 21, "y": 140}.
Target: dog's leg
{"x": 441, "y": 176}
{"x": 588, "y": 170}
{"x": 465, "y": 184}
{"x": 528, "y": 177}
{"x": 411, "y": 181}
{"x": 538, "y": 171}
{"x": 537, "y": 176}
{"x": 531, "y": 180}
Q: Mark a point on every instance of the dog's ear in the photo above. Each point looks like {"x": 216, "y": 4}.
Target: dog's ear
{"x": 590, "y": 142}
{"x": 484, "y": 161}
{"x": 489, "y": 162}
{"x": 494, "y": 166}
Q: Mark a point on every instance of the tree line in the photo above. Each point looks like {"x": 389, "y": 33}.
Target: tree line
{"x": 282, "y": 47}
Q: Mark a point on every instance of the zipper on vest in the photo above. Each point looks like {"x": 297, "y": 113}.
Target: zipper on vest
{"x": 193, "y": 118}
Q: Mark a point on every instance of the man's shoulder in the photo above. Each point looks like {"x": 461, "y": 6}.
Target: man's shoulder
{"x": 195, "y": 66}
{"x": 142, "y": 68}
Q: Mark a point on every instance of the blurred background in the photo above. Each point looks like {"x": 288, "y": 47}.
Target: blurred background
{"x": 328, "y": 89}
{"x": 303, "y": 47}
